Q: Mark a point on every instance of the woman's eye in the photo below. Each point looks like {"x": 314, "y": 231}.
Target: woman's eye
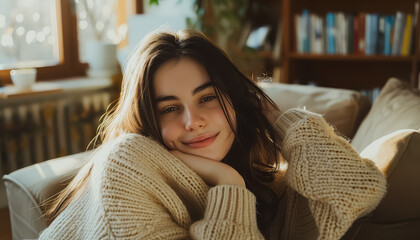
{"x": 168, "y": 110}
{"x": 208, "y": 98}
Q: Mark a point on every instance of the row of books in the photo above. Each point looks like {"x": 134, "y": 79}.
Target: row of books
{"x": 364, "y": 33}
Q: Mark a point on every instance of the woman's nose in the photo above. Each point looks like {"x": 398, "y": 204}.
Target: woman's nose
{"x": 193, "y": 119}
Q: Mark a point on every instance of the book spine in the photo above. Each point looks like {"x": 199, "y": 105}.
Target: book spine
{"x": 318, "y": 35}
{"x": 298, "y": 34}
{"x": 368, "y": 36}
{"x": 337, "y": 32}
{"x": 331, "y": 33}
{"x": 406, "y": 38}
{"x": 387, "y": 35}
{"x": 381, "y": 35}
{"x": 350, "y": 34}
{"x": 306, "y": 31}
{"x": 391, "y": 34}
{"x": 321, "y": 28}
{"x": 362, "y": 33}
{"x": 356, "y": 37}
{"x": 397, "y": 38}
{"x": 374, "y": 33}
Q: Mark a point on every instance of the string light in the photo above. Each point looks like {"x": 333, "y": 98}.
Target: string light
{"x": 36, "y": 16}
{"x": 100, "y": 25}
{"x": 30, "y": 36}
{"x": 20, "y": 31}
{"x": 6, "y": 40}
{"x": 83, "y": 24}
{"x": 19, "y": 17}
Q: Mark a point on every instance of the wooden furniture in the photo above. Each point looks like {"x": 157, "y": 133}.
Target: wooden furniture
{"x": 345, "y": 71}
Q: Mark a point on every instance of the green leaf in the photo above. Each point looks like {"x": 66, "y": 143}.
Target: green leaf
{"x": 151, "y": 2}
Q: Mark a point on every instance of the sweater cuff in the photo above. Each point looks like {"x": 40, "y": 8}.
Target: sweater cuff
{"x": 290, "y": 117}
{"x": 232, "y": 203}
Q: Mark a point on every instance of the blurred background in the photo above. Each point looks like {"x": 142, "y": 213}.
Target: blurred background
{"x": 78, "y": 49}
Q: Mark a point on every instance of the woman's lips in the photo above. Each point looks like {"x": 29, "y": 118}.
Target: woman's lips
{"x": 201, "y": 143}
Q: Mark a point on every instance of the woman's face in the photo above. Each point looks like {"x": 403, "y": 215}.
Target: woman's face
{"x": 190, "y": 116}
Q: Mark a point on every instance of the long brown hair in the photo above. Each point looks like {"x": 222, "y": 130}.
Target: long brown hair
{"x": 254, "y": 153}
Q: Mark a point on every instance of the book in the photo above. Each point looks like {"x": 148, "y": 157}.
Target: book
{"x": 389, "y": 24}
{"x": 340, "y": 33}
{"x": 350, "y": 34}
{"x": 306, "y": 31}
{"x": 381, "y": 35}
{"x": 299, "y": 34}
{"x": 368, "y": 32}
{"x": 407, "y": 36}
{"x": 312, "y": 18}
{"x": 374, "y": 33}
{"x": 317, "y": 35}
{"x": 356, "y": 35}
{"x": 331, "y": 32}
{"x": 398, "y": 33}
{"x": 362, "y": 33}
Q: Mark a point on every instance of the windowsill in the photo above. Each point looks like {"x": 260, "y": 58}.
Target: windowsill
{"x": 68, "y": 85}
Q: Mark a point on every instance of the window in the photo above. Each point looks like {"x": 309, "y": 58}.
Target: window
{"x": 44, "y": 33}
{"x": 28, "y": 34}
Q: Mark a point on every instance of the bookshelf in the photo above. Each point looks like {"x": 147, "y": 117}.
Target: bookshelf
{"x": 351, "y": 70}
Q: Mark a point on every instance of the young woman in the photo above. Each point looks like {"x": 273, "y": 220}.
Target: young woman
{"x": 192, "y": 150}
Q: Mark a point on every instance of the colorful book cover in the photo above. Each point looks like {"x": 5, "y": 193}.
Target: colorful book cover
{"x": 356, "y": 36}
{"x": 387, "y": 34}
{"x": 374, "y": 33}
{"x": 381, "y": 35}
{"x": 306, "y": 24}
{"x": 362, "y": 32}
{"x": 407, "y": 36}
{"x": 350, "y": 34}
{"x": 368, "y": 34}
{"x": 298, "y": 34}
{"x": 331, "y": 33}
{"x": 398, "y": 33}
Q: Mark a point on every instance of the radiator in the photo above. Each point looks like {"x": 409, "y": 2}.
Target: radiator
{"x": 36, "y": 131}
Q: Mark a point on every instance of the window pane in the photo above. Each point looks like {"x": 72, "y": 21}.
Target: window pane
{"x": 28, "y": 33}
{"x": 97, "y": 21}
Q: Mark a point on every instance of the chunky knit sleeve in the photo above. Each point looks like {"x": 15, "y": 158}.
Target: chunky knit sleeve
{"x": 230, "y": 214}
{"x": 147, "y": 194}
{"x": 324, "y": 168}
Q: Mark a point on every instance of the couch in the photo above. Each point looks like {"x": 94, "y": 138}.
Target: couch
{"x": 388, "y": 133}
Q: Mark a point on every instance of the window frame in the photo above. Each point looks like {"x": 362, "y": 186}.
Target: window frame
{"x": 69, "y": 63}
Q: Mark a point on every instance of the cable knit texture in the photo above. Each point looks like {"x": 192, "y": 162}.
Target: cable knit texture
{"x": 139, "y": 190}
{"x": 325, "y": 169}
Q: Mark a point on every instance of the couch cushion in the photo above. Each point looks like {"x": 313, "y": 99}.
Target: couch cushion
{"x": 28, "y": 187}
{"x": 397, "y": 155}
{"x": 342, "y": 108}
{"x": 397, "y": 107}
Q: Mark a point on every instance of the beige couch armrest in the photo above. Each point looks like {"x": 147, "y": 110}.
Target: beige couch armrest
{"x": 28, "y": 187}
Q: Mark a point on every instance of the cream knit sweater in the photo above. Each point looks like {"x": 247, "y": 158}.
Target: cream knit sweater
{"x": 139, "y": 190}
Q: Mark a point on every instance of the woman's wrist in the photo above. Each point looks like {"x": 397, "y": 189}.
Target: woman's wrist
{"x": 230, "y": 177}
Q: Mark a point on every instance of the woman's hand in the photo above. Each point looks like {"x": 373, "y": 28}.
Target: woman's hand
{"x": 211, "y": 171}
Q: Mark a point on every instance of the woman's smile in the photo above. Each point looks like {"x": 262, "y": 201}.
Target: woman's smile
{"x": 201, "y": 141}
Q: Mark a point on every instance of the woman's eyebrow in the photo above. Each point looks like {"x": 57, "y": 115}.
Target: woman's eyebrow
{"x": 202, "y": 87}
{"x": 195, "y": 91}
